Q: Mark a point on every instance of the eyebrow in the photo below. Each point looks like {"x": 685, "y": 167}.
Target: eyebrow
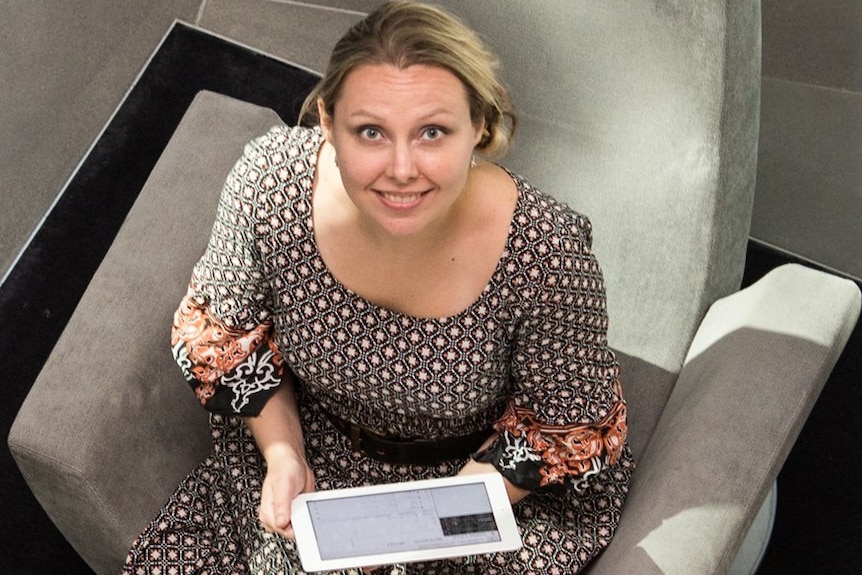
{"x": 366, "y": 114}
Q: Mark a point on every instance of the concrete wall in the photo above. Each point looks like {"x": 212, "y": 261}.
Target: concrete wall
{"x": 809, "y": 188}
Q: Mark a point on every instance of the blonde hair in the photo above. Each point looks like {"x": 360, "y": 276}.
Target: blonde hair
{"x": 407, "y": 33}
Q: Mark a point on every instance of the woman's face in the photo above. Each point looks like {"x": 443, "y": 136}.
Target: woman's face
{"x": 403, "y": 140}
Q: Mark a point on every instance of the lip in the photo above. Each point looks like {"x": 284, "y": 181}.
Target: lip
{"x": 401, "y": 200}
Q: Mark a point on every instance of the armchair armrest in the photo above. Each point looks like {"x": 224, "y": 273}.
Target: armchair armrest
{"x": 754, "y": 370}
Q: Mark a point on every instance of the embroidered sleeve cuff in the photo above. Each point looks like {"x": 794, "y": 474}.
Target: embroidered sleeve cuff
{"x": 514, "y": 459}
{"x": 559, "y": 454}
{"x": 232, "y": 372}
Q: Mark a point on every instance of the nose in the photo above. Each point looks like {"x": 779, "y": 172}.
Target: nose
{"x": 402, "y": 166}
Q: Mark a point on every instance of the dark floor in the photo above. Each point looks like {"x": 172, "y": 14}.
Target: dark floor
{"x": 817, "y": 528}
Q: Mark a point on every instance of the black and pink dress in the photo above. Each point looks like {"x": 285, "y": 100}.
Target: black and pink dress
{"x": 529, "y": 358}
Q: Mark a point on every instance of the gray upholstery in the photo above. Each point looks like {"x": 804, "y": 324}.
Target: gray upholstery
{"x": 752, "y": 374}
{"x": 641, "y": 115}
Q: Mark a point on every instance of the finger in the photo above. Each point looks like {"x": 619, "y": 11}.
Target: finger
{"x": 281, "y": 508}
{"x": 310, "y": 485}
{"x": 267, "y": 510}
{"x": 266, "y": 518}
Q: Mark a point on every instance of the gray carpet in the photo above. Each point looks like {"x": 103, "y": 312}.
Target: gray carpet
{"x": 64, "y": 68}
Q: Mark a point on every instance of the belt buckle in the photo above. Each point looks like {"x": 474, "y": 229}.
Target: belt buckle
{"x": 355, "y": 438}
{"x": 357, "y": 431}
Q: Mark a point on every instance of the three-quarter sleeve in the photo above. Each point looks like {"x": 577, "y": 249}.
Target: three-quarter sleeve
{"x": 222, "y": 331}
{"x": 566, "y": 421}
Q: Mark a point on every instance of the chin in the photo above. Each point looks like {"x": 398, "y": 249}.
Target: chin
{"x": 402, "y": 229}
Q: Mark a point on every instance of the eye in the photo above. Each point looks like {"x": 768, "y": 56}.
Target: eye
{"x": 370, "y": 133}
{"x": 433, "y": 133}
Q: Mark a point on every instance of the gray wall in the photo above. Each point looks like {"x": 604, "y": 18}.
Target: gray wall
{"x": 809, "y": 188}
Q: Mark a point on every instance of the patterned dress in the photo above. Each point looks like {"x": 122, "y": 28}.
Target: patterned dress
{"x": 528, "y": 357}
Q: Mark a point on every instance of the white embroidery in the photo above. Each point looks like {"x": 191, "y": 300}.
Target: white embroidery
{"x": 181, "y": 355}
{"x": 254, "y": 375}
{"x": 517, "y": 450}
{"x": 581, "y": 482}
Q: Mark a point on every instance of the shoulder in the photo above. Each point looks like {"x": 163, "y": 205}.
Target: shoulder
{"x": 545, "y": 219}
{"x": 282, "y": 156}
{"x": 551, "y": 246}
{"x": 275, "y": 170}
{"x": 282, "y": 145}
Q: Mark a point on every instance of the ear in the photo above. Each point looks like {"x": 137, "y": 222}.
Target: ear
{"x": 479, "y": 127}
{"x": 325, "y": 119}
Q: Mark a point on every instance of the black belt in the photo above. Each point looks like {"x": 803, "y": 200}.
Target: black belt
{"x": 408, "y": 451}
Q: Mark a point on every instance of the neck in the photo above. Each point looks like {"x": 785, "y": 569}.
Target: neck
{"x": 431, "y": 239}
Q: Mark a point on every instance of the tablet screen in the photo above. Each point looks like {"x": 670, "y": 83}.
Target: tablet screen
{"x": 403, "y": 521}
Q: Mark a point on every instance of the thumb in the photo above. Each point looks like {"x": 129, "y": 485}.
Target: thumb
{"x": 281, "y": 508}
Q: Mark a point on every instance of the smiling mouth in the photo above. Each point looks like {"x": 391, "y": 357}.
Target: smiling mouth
{"x": 401, "y": 199}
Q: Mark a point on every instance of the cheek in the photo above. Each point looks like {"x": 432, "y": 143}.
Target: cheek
{"x": 451, "y": 175}
{"x": 453, "y": 169}
{"x": 357, "y": 169}
{"x": 361, "y": 169}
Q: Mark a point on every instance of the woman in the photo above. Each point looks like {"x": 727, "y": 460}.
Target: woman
{"x": 369, "y": 282}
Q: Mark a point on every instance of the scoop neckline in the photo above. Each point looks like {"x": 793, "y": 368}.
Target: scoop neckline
{"x": 490, "y": 284}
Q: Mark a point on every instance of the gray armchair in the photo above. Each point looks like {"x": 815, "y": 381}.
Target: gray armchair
{"x": 643, "y": 116}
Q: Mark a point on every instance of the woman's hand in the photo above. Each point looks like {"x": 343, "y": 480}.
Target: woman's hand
{"x": 286, "y": 477}
{"x": 514, "y": 492}
{"x": 278, "y": 434}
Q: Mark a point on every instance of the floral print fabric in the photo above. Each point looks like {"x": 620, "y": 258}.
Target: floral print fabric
{"x": 532, "y": 455}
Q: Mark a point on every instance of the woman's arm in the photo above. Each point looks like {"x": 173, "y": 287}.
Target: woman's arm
{"x": 566, "y": 419}
{"x": 278, "y": 434}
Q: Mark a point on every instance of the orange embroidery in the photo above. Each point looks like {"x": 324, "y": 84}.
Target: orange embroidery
{"x": 213, "y": 348}
{"x": 569, "y": 450}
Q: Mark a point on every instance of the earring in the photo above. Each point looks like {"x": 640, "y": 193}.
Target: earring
{"x": 473, "y": 161}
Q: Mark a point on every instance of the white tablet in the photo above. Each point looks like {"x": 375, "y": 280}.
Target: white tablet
{"x": 404, "y": 522}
